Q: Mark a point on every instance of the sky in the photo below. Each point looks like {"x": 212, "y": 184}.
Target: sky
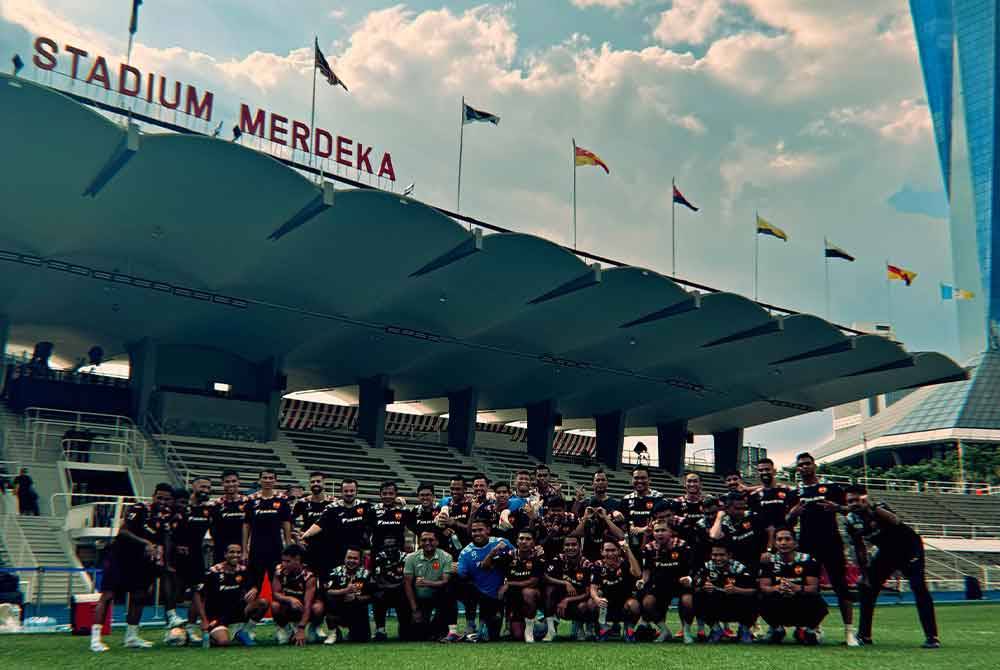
{"x": 810, "y": 112}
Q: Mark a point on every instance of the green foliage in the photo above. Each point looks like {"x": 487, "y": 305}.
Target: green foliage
{"x": 981, "y": 463}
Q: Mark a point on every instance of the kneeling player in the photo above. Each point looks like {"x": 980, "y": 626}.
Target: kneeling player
{"x": 666, "y": 574}
{"x": 612, "y": 588}
{"x": 348, "y": 593}
{"x": 567, "y": 588}
{"x": 724, "y": 592}
{"x": 521, "y": 588}
{"x": 227, "y": 601}
{"x": 293, "y": 599}
{"x": 789, "y": 586}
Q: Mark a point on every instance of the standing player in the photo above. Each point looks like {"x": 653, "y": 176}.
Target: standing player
{"x": 426, "y": 576}
{"x": 348, "y": 592}
{"x": 347, "y": 523}
{"x": 521, "y": 590}
{"x": 555, "y": 525}
{"x": 692, "y": 503}
{"x": 267, "y": 527}
{"x": 612, "y": 589}
{"x": 189, "y": 553}
{"x": 789, "y": 587}
{"x": 724, "y": 591}
{"x": 816, "y": 512}
{"x": 740, "y": 530}
{"x": 227, "y": 601}
{"x": 567, "y": 587}
{"x": 637, "y": 507}
{"x": 228, "y": 514}
{"x": 136, "y": 557}
{"x": 390, "y": 519}
{"x": 425, "y": 513}
{"x": 898, "y": 547}
{"x": 522, "y": 490}
{"x": 594, "y": 527}
{"x": 543, "y": 487}
{"x": 479, "y": 565}
{"x": 666, "y": 574}
{"x": 306, "y": 512}
{"x": 734, "y": 483}
{"x": 456, "y": 515}
{"x": 293, "y": 599}
{"x": 771, "y": 502}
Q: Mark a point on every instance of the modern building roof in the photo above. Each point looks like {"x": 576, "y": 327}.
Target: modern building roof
{"x": 108, "y": 236}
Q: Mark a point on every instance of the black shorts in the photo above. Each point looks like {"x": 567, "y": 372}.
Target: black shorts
{"x": 128, "y": 572}
{"x": 664, "y": 595}
{"x": 190, "y": 569}
{"x": 218, "y": 618}
{"x": 573, "y": 612}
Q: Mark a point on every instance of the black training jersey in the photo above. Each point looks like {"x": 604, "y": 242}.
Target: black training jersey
{"x": 224, "y": 589}
{"x": 576, "y": 572}
{"x": 227, "y": 522}
{"x": 425, "y": 519}
{"x": 795, "y": 569}
{"x": 340, "y": 577}
{"x": 638, "y": 510}
{"x": 886, "y": 536}
{"x": 348, "y": 525}
{"x": 294, "y": 585}
{"x": 520, "y": 568}
{"x": 745, "y": 537}
{"x": 818, "y": 530}
{"x": 390, "y": 524}
{"x": 193, "y": 525}
{"x": 147, "y": 522}
{"x": 266, "y": 517}
{"x": 387, "y": 570}
{"x": 667, "y": 564}
{"x": 772, "y": 505}
{"x": 554, "y": 528}
{"x": 306, "y": 511}
{"x": 689, "y": 511}
{"x": 614, "y": 582}
{"x": 724, "y": 573}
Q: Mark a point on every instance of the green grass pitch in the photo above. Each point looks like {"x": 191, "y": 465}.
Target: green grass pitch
{"x": 970, "y": 636}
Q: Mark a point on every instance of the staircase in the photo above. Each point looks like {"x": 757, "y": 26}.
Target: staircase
{"x": 51, "y": 549}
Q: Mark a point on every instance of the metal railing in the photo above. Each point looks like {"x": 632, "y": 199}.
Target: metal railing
{"x": 16, "y": 544}
{"x": 43, "y": 426}
{"x": 91, "y": 510}
{"x": 964, "y": 531}
{"x": 961, "y": 488}
{"x": 99, "y": 451}
{"x": 154, "y": 433}
{"x": 906, "y": 485}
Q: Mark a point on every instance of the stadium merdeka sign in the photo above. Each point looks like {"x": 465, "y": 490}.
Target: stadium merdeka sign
{"x": 158, "y": 89}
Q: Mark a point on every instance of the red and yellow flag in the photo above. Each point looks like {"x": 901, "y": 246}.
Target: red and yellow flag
{"x": 584, "y": 157}
{"x": 900, "y": 274}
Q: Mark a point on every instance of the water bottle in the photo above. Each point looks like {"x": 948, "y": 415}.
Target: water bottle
{"x": 40, "y": 624}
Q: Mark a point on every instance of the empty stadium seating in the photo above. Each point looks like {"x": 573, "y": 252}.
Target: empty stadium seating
{"x": 209, "y": 458}
{"x": 339, "y": 456}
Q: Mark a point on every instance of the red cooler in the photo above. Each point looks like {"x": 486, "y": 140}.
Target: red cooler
{"x": 83, "y": 610}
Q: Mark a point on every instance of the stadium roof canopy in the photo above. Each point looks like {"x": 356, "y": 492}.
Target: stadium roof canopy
{"x": 189, "y": 239}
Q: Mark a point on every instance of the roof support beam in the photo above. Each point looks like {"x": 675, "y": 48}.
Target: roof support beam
{"x": 907, "y": 362}
{"x": 775, "y": 325}
{"x": 122, "y": 155}
{"x": 836, "y": 348}
{"x": 591, "y": 277}
{"x": 691, "y": 304}
{"x": 470, "y": 246}
{"x": 313, "y": 208}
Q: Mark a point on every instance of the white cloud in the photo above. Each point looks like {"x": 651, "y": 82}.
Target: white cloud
{"x": 907, "y": 121}
{"x": 337, "y": 14}
{"x": 688, "y": 21}
{"x": 608, "y": 4}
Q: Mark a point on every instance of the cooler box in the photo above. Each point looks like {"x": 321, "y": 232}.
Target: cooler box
{"x": 82, "y": 612}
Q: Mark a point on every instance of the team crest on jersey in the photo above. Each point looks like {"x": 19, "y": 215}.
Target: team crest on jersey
{"x": 276, "y": 504}
{"x": 781, "y": 495}
{"x": 798, "y": 569}
{"x": 436, "y": 565}
{"x": 239, "y": 578}
{"x": 674, "y": 555}
{"x": 528, "y": 564}
{"x": 399, "y": 516}
{"x": 822, "y": 489}
{"x": 359, "y": 510}
{"x": 579, "y": 576}
{"x": 746, "y": 524}
{"x": 649, "y": 504}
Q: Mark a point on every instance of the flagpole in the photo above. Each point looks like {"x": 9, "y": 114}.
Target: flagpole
{"x": 826, "y": 263}
{"x": 312, "y": 114}
{"x": 888, "y": 294}
{"x": 756, "y": 253}
{"x": 461, "y": 141}
{"x": 673, "y": 229}
{"x": 574, "y": 194}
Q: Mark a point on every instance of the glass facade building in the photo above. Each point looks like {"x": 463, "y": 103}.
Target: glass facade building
{"x": 958, "y": 41}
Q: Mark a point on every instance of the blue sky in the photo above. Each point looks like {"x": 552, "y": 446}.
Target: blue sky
{"x": 811, "y": 112}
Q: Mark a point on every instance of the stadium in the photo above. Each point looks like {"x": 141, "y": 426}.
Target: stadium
{"x": 461, "y": 352}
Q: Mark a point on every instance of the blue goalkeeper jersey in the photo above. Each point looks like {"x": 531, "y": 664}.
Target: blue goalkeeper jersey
{"x": 486, "y": 581}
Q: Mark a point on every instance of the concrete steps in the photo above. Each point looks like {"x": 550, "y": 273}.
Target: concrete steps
{"x": 51, "y": 548}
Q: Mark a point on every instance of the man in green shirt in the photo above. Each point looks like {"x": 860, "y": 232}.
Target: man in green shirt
{"x": 426, "y": 577}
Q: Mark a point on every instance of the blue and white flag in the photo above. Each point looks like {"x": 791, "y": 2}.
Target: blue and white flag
{"x": 472, "y": 115}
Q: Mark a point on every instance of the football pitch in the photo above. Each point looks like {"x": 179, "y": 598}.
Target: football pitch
{"x": 969, "y": 634}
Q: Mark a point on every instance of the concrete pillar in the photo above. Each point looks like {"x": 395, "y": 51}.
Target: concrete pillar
{"x": 542, "y": 419}
{"x": 271, "y": 384}
{"x": 672, "y": 440}
{"x": 727, "y": 449}
{"x": 142, "y": 376}
{"x": 375, "y": 395}
{"x": 462, "y": 406}
{"x": 610, "y": 438}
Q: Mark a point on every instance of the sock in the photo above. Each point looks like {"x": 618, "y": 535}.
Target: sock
{"x": 131, "y": 631}
{"x": 529, "y": 628}
{"x": 453, "y": 628}
{"x": 641, "y": 623}
{"x": 550, "y": 621}
{"x": 380, "y": 629}
{"x": 602, "y": 616}
{"x": 171, "y": 614}
{"x": 95, "y": 633}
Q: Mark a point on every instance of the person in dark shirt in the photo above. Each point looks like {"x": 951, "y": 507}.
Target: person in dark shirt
{"x": 567, "y": 586}
{"x": 789, "y": 588}
{"x": 725, "y": 591}
{"x": 390, "y": 520}
{"x": 734, "y": 483}
{"x": 305, "y": 513}
{"x": 387, "y": 575}
{"x": 597, "y": 526}
{"x": 456, "y": 515}
{"x": 227, "y": 602}
{"x": 555, "y": 524}
{"x": 424, "y": 515}
{"x": 192, "y": 520}
{"x": 740, "y": 530}
{"x": 692, "y": 503}
{"x": 770, "y": 501}
{"x": 27, "y": 497}
{"x": 136, "y": 558}
{"x": 228, "y": 515}
{"x": 898, "y": 547}
{"x": 521, "y": 589}
{"x": 296, "y": 609}
{"x": 348, "y": 523}
{"x": 612, "y": 589}
{"x": 348, "y": 592}
{"x": 267, "y": 526}
{"x": 817, "y": 508}
{"x": 498, "y": 514}
{"x": 637, "y": 507}
{"x": 666, "y": 574}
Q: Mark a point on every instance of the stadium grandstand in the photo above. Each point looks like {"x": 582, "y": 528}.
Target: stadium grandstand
{"x": 522, "y": 353}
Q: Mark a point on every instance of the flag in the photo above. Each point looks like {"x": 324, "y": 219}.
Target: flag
{"x": 472, "y": 115}
{"x": 947, "y": 292}
{"x": 409, "y": 189}
{"x": 681, "y": 200}
{"x": 18, "y": 63}
{"x": 766, "y": 228}
{"x": 218, "y": 129}
{"x": 584, "y": 157}
{"x": 899, "y": 274}
{"x": 962, "y": 294}
{"x": 133, "y": 22}
{"x": 324, "y": 67}
{"x": 836, "y": 252}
